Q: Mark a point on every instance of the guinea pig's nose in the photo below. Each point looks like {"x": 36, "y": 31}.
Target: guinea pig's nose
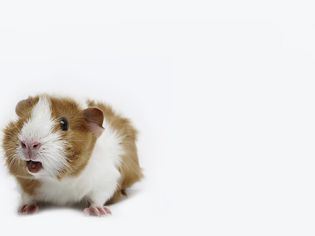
{"x": 30, "y": 145}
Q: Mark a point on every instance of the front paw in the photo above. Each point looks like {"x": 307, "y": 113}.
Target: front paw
{"x": 97, "y": 211}
{"x": 28, "y": 209}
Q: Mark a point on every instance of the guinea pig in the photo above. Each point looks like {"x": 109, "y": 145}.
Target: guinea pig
{"x": 63, "y": 152}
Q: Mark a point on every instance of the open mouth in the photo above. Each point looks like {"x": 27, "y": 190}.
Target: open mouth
{"x": 34, "y": 166}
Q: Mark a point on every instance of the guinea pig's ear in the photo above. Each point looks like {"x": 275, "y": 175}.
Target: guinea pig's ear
{"x": 94, "y": 118}
{"x": 24, "y": 105}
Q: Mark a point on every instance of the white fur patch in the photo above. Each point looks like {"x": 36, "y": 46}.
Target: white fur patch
{"x": 39, "y": 128}
{"x": 82, "y": 103}
{"x": 97, "y": 182}
{"x": 40, "y": 123}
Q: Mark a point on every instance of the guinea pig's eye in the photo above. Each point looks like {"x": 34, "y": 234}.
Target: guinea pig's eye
{"x": 64, "y": 124}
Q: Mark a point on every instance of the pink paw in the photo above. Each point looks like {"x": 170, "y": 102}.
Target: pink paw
{"x": 97, "y": 211}
{"x": 28, "y": 209}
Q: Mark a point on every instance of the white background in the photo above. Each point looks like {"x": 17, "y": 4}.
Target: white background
{"x": 222, "y": 93}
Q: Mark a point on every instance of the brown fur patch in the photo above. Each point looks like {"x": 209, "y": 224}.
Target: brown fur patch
{"x": 79, "y": 140}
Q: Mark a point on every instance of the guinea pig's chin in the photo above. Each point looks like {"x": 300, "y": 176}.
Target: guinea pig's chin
{"x": 38, "y": 172}
{"x": 43, "y": 169}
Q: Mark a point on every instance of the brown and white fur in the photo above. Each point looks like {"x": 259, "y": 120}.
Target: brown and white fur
{"x": 94, "y": 160}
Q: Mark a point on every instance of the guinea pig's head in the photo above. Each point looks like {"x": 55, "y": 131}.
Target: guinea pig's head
{"x": 52, "y": 138}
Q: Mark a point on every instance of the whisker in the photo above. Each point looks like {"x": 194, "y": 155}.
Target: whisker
{"x": 25, "y": 177}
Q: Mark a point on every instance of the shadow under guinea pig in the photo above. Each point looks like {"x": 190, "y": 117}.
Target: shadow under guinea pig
{"x": 130, "y": 193}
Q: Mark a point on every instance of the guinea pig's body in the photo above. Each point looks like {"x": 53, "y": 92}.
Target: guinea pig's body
{"x": 63, "y": 152}
{"x": 99, "y": 177}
